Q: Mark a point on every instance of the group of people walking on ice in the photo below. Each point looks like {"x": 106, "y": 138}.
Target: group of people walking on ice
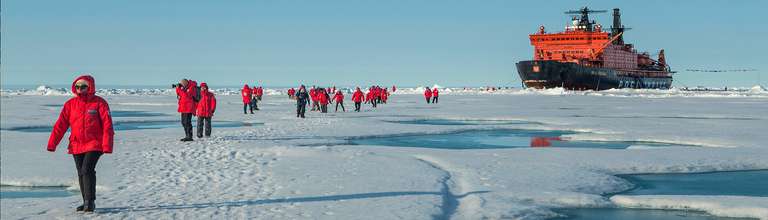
{"x": 319, "y": 98}
{"x": 432, "y": 94}
{"x": 251, "y": 98}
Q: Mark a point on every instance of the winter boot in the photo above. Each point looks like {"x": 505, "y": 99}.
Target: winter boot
{"x": 89, "y": 206}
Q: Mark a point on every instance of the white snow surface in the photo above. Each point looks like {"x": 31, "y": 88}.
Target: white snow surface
{"x": 291, "y": 168}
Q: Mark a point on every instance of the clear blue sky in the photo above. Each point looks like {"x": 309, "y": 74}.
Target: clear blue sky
{"x": 354, "y": 42}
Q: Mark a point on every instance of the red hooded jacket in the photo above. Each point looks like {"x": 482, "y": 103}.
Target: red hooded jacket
{"x": 322, "y": 98}
{"x": 339, "y": 97}
{"x": 427, "y": 93}
{"x": 313, "y": 94}
{"x": 186, "y": 100}
{"x": 89, "y": 119}
{"x": 259, "y": 91}
{"x": 357, "y": 96}
{"x": 435, "y": 93}
{"x": 246, "y": 93}
{"x": 207, "y": 104}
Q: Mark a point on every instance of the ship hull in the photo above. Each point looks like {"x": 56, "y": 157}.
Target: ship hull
{"x": 552, "y": 74}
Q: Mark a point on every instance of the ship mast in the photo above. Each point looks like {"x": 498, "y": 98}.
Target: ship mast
{"x": 617, "y": 29}
{"x": 583, "y": 20}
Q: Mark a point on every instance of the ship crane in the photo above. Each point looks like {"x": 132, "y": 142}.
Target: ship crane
{"x": 602, "y": 47}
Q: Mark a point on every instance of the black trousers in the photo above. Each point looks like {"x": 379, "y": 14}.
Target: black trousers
{"x": 357, "y": 106}
{"x": 324, "y": 108}
{"x": 315, "y": 105}
{"x": 342, "y": 106}
{"x": 85, "y": 164}
{"x": 245, "y": 108}
{"x": 434, "y": 99}
{"x": 427, "y": 100}
{"x": 373, "y": 102}
{"x": 203, "y": 122}
{"x": 254, "y": 105}
{"x": 186, "y": 121}
{"x": 301, "y": 108}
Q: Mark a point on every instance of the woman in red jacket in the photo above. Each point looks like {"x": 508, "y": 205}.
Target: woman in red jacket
{"x": 91, "y": 135}
{"x": 357, "y": 98}
{"x": 246, "y": 93}
{"x": 205, "y": 109}
{"x": 427, "y": 94}
{"x": 339, "y": 98}
{"x": 186, "y": 92}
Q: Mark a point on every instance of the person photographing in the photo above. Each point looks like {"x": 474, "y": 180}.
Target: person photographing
{"x": 186, "y": 93}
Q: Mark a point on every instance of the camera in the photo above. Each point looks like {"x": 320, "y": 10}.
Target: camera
{"x": 175, "y": 85}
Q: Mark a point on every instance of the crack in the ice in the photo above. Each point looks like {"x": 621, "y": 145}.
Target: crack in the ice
{"x": 450, "y": 201}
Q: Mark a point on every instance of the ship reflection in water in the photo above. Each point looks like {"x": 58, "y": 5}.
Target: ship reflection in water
{"x": 544, "y": 141}
{"x": 498, "y": 138}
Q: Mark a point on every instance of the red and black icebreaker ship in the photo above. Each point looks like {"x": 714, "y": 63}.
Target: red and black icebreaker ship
{"x": 586, "y": 57}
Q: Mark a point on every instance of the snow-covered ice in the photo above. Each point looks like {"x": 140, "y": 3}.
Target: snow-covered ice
{"x": 269, "y": 172}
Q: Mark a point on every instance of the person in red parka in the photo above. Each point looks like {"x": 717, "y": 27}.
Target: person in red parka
{"x": 339, "y": 98}
{"x": 313, "y": 96}
{"x": 435, "y": 94}
{"x": 246, "y": 93}
{"x": 205, "y": 109}
{"x": 259, "y": 92}
{"x": 255, "y": 99}
{"x": 371, "y": 97}
{"x": 91, "y": 135}
{"x": 357, "y": 98}
{"x": 427, "y": 94}
{"x": 186, "y": 92}
{"x": 323, "y": 98}
{"x": 291, "y": 92}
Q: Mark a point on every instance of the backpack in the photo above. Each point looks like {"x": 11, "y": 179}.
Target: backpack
{"x": 196, "y": 97}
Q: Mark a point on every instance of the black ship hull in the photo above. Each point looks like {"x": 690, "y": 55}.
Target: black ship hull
{"x": 552, "y": 74}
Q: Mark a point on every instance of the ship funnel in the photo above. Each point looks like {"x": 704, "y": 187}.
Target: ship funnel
{"x": 662, "y": 58}
{"x": 617, "y": 27}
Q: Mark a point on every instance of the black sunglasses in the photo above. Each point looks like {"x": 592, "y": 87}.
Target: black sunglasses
{"x": 81, "y": 86}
